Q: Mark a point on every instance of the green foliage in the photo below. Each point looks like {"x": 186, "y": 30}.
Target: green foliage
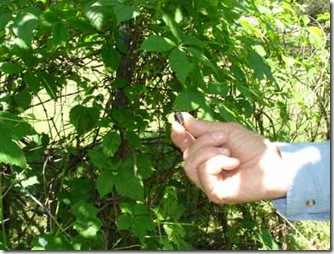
{"x": 86, "y": 90}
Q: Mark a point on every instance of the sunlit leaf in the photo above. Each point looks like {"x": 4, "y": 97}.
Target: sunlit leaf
{"x": 190, "y": 100}
{"x": 87, "y": 223}
{"x": 156, "y": 43}
{"x": 25, "y": 24}
{"x": 11, "y": 153}
{"x": 14, "y": 127}
{"x": 176, "y": 31}
{"x": 260, "y": 67}
{"x": 29, "y": 182}
{"x": 179, "y": 63}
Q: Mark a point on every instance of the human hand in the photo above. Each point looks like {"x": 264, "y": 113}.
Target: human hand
{"x": 230, "y": 163}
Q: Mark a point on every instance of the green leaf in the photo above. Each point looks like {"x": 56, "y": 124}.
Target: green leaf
{"x": 5, "y": 17}
{"x": 98, "y": 159}
{"x": 124, "y": 222}
{"x": 124, "y": 13}
{"x": 190, "y": 100}
{"x": 267, "y": 240}
{"x": 50, "y": 242}
{"x": 192, "y": 41}
{"x": 179, "y": 63}
{"x": 81, "y": 189}
{"x": 156, "y": 43}
{"x": 87, "y": 223}
{"x": 95, "y": 16}
{"x": 220, "y": 89}
{"x": 137, "y": 217}
{"x": 111, "y": 141}
{"x": 110, "y": 58}
{"x": 105, "y": 182}
{"x": 25, "y": 24}
{"x": 22, "y": 99}
{"x": 260, "y": 67}
{"x": 60, "y": 34}
{"x": 141, "y": 225}
{"x": 227, "y": 114}
{"x": 176, "y": 31}
{"x": 203, "y": 58}
{"x": 48, "y": 82}
{"x": 127, "y": 184}
{"x": 144, "y": 166}
{"x": 14, "y": 127}
{"x": 84, "y": 118}
{"x": 11, "y": 153}
{"x": 11, "y": 68}
{"x": 316, "y": 36}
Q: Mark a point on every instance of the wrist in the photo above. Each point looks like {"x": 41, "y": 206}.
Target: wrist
{"x": 275, "y": 173}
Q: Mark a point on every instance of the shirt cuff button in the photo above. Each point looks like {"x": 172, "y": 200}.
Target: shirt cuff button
{"x": 310, "y": 202}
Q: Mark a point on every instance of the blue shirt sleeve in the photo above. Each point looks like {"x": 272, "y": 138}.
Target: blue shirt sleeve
{"x": 308, "y": 189}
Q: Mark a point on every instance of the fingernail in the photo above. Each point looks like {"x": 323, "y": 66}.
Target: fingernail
{"x": 218, "y": 135}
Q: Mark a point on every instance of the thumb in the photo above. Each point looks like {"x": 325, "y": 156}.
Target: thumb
{"x": 200, "y": 127}
{"x": 181, "y": 137}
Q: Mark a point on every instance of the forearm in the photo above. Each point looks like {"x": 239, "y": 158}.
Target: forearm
{"x": 308, "y": 187}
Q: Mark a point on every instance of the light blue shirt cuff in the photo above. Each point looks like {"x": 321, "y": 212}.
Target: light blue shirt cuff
{"x": 308, "y": 188}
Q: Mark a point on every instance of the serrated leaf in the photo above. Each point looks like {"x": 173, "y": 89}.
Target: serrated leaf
{"x": 179, "y": 63}
{"x": 14, "y": 127}
{"x": 111, "y": 141}
{"x": 137, "y": 217}
{"x": 99, "y": 160}
{"x": 11, "y": 68}
{"x": 25, "y": 24}
{"x": 87, "y": 223}
{"x": 22, "y": 99}
{"x": 105, "y": 182}
{"x": 127, "y": 184}
{"x": 60, "y": 34}
{"x": 260, "y": 67}
{"x": 110, "y": 57}
{"x": 141, "y": 225}
{"x": 176, "y": 31}
{"x": 156, "y": 43}
{"x": 144, "y": 166}
{"x": 192, "y": 40}
{"x": 84, "y": 118}
{"x": 11, "y": 153}
{"x": 124, "y": 222}
{"x": 203, "y": 58}
{"x": 124, "y": 13}
{"x": 190, "y": 100}
{"x": 5, "y": 17}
